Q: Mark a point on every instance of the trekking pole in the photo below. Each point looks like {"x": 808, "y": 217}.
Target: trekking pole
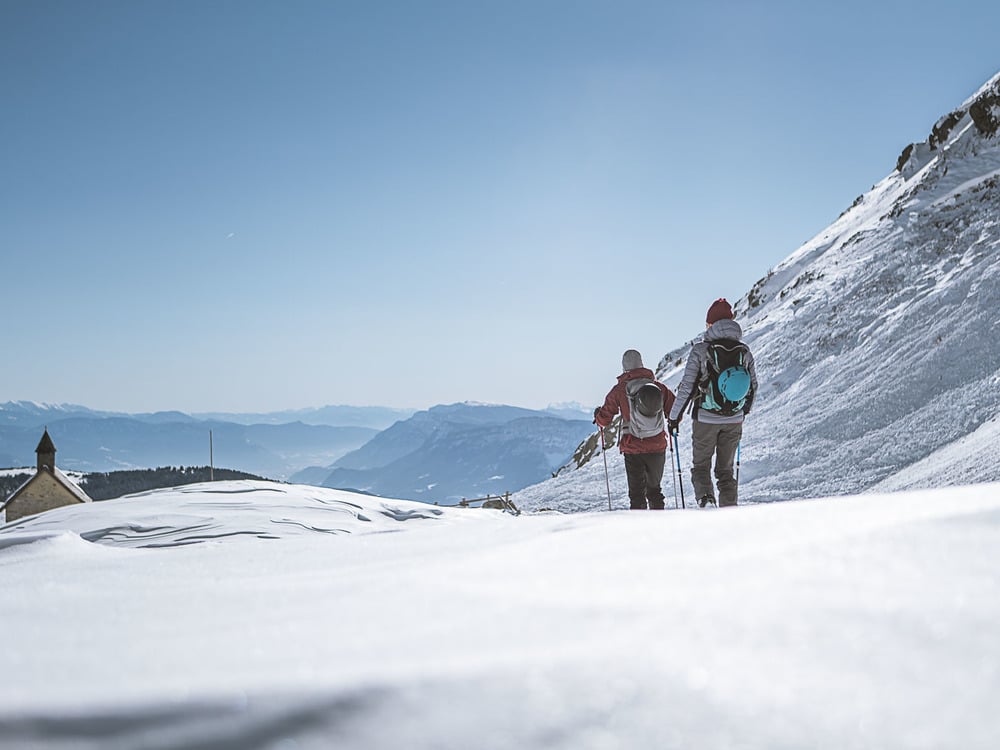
{"x": 680, "y": 477}
{"x": 607, "y": 481}
{"x": 670, "y": 442}
{"x": 738, "y": 462}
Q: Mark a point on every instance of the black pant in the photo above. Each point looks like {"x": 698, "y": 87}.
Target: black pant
{"x": 644, "y": 472}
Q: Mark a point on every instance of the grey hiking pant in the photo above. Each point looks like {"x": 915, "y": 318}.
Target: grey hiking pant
{"x": 644, "y": 472}
{"x": 720, "y": 440}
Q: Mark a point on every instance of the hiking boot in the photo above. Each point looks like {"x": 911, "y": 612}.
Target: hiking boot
{"x": 705, "y": 500}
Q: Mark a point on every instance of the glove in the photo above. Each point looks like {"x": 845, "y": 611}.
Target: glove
{"x": 595, "y": 414}
{"x": 672, "y": 425}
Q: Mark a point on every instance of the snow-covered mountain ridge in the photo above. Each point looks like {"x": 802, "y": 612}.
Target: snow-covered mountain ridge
{"x": 877, "y": 342}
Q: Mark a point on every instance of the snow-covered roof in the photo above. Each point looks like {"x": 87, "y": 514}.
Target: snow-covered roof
{"x": 60, "y": 477}
{"x": 72, "y": 486}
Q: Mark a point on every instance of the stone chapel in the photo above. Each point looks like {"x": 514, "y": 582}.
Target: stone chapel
{"x": 49, "y": 488}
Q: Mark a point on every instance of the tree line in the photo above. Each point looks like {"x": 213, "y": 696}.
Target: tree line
{"x": 107, "y": 485}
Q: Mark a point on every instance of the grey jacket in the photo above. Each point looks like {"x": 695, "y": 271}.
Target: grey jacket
{"x": 697, "y": 372}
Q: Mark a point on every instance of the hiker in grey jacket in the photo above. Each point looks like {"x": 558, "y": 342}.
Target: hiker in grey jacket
{"x": 714, "y": 430}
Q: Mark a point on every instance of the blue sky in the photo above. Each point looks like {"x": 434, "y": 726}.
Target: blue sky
{"x": 236, "y": 206}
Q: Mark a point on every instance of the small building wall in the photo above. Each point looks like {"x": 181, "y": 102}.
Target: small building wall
{"x": 42, "y": 492}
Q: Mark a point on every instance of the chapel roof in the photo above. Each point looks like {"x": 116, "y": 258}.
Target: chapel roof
{"x": 45, "y": 445}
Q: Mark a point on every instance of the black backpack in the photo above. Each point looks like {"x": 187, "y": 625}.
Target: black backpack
{"x": 727, "y": 387}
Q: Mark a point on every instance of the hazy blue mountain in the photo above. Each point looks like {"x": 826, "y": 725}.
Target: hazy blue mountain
{"x": 314, "y": 475}
{"x": 165, "y": 417}
{"x": 459, "y": 450}
{"x": 390, "y": 444}
{"x": 33, "y": 414}
{"x": 404, "y": 437}
{"x": 373, "y": 417}
{"x": 571, "y": 411}
{"x": 92, "y": 441}
{"x": 468, "y": 444}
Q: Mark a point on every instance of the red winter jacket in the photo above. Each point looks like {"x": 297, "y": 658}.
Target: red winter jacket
{"x": 617, "y": 400}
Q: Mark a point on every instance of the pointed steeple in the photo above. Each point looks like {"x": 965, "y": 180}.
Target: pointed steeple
{"x": 46, "y": 451}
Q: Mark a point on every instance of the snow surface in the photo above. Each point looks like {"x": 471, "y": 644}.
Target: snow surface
{"x": 259, "y": 615}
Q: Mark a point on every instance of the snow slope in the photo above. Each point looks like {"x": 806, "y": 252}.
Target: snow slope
{"x": 256, "y": 615}
{"x": 877, "y": 342}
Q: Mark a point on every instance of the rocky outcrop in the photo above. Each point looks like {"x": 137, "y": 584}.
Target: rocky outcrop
{"x": 904, "y": 157}
{"x": 943, "y": 127}
{"x": 985, "y": 113}
{"x": 983, "y": 110}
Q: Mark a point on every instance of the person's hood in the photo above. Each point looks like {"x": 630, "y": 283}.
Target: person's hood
{"x": 724, "y": 329}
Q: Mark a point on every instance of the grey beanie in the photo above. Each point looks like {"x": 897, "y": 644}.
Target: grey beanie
{"x": 631, "y": 360}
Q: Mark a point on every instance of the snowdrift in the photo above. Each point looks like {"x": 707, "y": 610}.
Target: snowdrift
{"x": 257, "y": 615}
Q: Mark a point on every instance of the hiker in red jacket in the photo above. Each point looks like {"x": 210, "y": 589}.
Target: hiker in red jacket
{"x": 642, "y": 438}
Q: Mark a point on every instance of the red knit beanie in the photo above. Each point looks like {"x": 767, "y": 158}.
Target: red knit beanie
{"x": 720, "y": 310}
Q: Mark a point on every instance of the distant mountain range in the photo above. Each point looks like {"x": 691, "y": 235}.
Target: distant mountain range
{"x": 470, "y": 448}
{"x": 31, "y": 413}
{"x": 373, "y": 417}
{"x": 459, "y": 451}
{"x": 89, "y": 440}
